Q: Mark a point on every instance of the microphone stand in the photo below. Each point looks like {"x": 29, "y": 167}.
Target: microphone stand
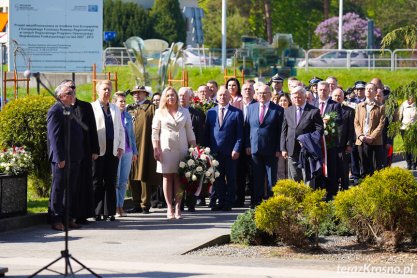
{"x": 67, "y": 127}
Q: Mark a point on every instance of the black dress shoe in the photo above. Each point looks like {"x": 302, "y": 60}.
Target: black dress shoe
{"x": 191, "y": 209}
{"x": 98, "y": 218}
{"x": 145, "y": 211}
{"x": 217, "y": 208}
{"x": 82, "y": 221}
{"x": 112, "y": 218}
{"x": 134, "y": 210}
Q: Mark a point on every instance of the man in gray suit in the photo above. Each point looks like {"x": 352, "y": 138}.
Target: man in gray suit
{"x": 300, "y": 118}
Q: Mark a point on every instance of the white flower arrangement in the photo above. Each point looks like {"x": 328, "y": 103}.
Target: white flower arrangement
{"x": 198, "y": 169}
{"x": 15, "y": 161}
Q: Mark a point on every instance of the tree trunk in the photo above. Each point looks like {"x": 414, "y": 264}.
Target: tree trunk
{"x": 326, "y": 8}
{"x": 268, "y": 21}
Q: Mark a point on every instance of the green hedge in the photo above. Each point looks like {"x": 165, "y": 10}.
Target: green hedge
{"x": 23, "y": 123}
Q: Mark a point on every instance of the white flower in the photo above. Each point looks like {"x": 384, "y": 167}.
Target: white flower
{"x": 326, "y": 132}
{"x": 207, "y": 150}
{"x": 333, "y": 130}
{"x": 182, "y": 164}
{"x": 191, "y": 149}
{"x": 211, "y": 170}
{"x": 216, "y": 174}
{"x": 208, "y": 173}
{"x": 194, "y": 177}
{"x": 203, "y": 157}
{"x": 326, "y": 117}
{"x": 190, "y": 162}
{"x": 215, "y": 163}
{"x": 187, "y": 174}
{"x": 212, "y": 180}
{"x": 199, "y": 169}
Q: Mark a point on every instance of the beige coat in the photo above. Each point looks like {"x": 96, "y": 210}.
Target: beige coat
{"x": 174, "y": 135}
{"x": 377, "y": 122}
{"x": 144, "y": 168}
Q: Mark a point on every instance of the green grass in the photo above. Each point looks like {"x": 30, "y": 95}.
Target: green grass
{"x": 346, "y": 77}
{"x": 37, "y": 205}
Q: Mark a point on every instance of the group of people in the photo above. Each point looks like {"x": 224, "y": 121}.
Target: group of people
{"x": 256, "y": 131}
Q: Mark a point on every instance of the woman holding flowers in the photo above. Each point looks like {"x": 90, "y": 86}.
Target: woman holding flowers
{"x": 172, "y": 132}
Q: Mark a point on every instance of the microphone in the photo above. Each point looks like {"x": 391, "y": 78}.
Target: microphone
{"x": 29, "y": 74}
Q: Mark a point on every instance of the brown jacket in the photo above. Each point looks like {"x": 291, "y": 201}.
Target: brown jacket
{"x": 144, "y": 168}
{"x": 377, "y": 121}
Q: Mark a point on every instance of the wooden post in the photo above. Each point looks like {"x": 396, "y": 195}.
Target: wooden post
{"x": 15, "y": 84}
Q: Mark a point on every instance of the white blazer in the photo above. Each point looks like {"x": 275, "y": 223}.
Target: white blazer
{"x": 119, "y": 132}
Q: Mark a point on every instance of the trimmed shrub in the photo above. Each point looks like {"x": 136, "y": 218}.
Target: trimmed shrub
{"x": 291, "y": 188}
{"x": 293, "y": 214}
{"x": 382, "y": 209}
{"x": 280, "y": 216}
{"x": 23, "y": 123}
{"x": 244, "y": 230}
{"x": 332, "y": 225}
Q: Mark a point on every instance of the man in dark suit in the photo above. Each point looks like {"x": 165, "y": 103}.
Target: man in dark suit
{"x": 58, "y": 156}
{"x": 262, "y": 140}
{"x": 223, "y": 132}
{"x": 330, "y": 150}
{"x": 85, "y": 196}
{"x": 197, "y": 119}
{"x": 300, "y": 118}
{"x": 346, "y": 138}
{"x": 244, "y": 167}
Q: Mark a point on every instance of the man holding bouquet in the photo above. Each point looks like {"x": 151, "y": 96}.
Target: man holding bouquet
{"x": 224, "y": 130}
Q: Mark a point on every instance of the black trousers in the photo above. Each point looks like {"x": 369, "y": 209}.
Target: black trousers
{"x": 371, "y": 158}
{"x": 244, "y": 177}
{"x": 104, "y": 182}
{"x": 57, "y": 197}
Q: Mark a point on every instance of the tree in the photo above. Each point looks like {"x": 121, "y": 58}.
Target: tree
{"x": 354, "y": 31}
{"x": 168, "y": 22}
{"x": 236, "y": 25}
{"x": 402, "y": 37}
{"x": 127, "y": 20}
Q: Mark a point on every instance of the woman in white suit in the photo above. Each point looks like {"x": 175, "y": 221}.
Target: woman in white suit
{"x": 172, "y": 132}
{"x": 111, "y": 138}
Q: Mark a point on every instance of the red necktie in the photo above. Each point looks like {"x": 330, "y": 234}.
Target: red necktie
{"x": 321, "y": 108}
{"x": 261, "y": 116}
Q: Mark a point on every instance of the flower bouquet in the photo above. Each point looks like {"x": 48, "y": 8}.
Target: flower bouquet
{"x": 15, "y": 161}
{"x": 202, "y": 105}
{"x": 330, "y": 129}
{"x": 198, "y": 170}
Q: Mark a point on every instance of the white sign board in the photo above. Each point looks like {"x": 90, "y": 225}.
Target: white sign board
{"x": 55, "y": 35}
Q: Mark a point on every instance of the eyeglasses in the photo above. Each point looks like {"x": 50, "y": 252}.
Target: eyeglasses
{"x": 68, "y": 94}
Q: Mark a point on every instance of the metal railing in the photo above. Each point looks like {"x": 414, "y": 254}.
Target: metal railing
{"x": 314, "y": 58}
{"x": 360, "y": 58}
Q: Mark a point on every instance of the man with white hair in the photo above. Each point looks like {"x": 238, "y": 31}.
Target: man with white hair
{"x": 332, "y": 81}
{"x": 300, "y": 118}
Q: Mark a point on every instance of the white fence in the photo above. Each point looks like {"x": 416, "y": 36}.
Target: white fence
{"x": 360, "y": 58}
{"x": 314, "y": 58}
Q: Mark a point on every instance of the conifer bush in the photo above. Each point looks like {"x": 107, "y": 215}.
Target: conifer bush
{"x": 293, "y": 213}
{"x": 244, "y": 230}
{"x": 382, "y": 209}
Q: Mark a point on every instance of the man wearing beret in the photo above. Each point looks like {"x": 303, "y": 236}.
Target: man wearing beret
{"x": 143, "y": 177}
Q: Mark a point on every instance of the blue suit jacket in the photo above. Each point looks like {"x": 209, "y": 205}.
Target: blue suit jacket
{"x": 56, "y": 136}
{"x": 264, "y": 139}
{"x": 228, "y": 137}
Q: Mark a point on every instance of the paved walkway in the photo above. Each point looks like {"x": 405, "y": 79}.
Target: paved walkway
{"x": 151, "y": 246}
